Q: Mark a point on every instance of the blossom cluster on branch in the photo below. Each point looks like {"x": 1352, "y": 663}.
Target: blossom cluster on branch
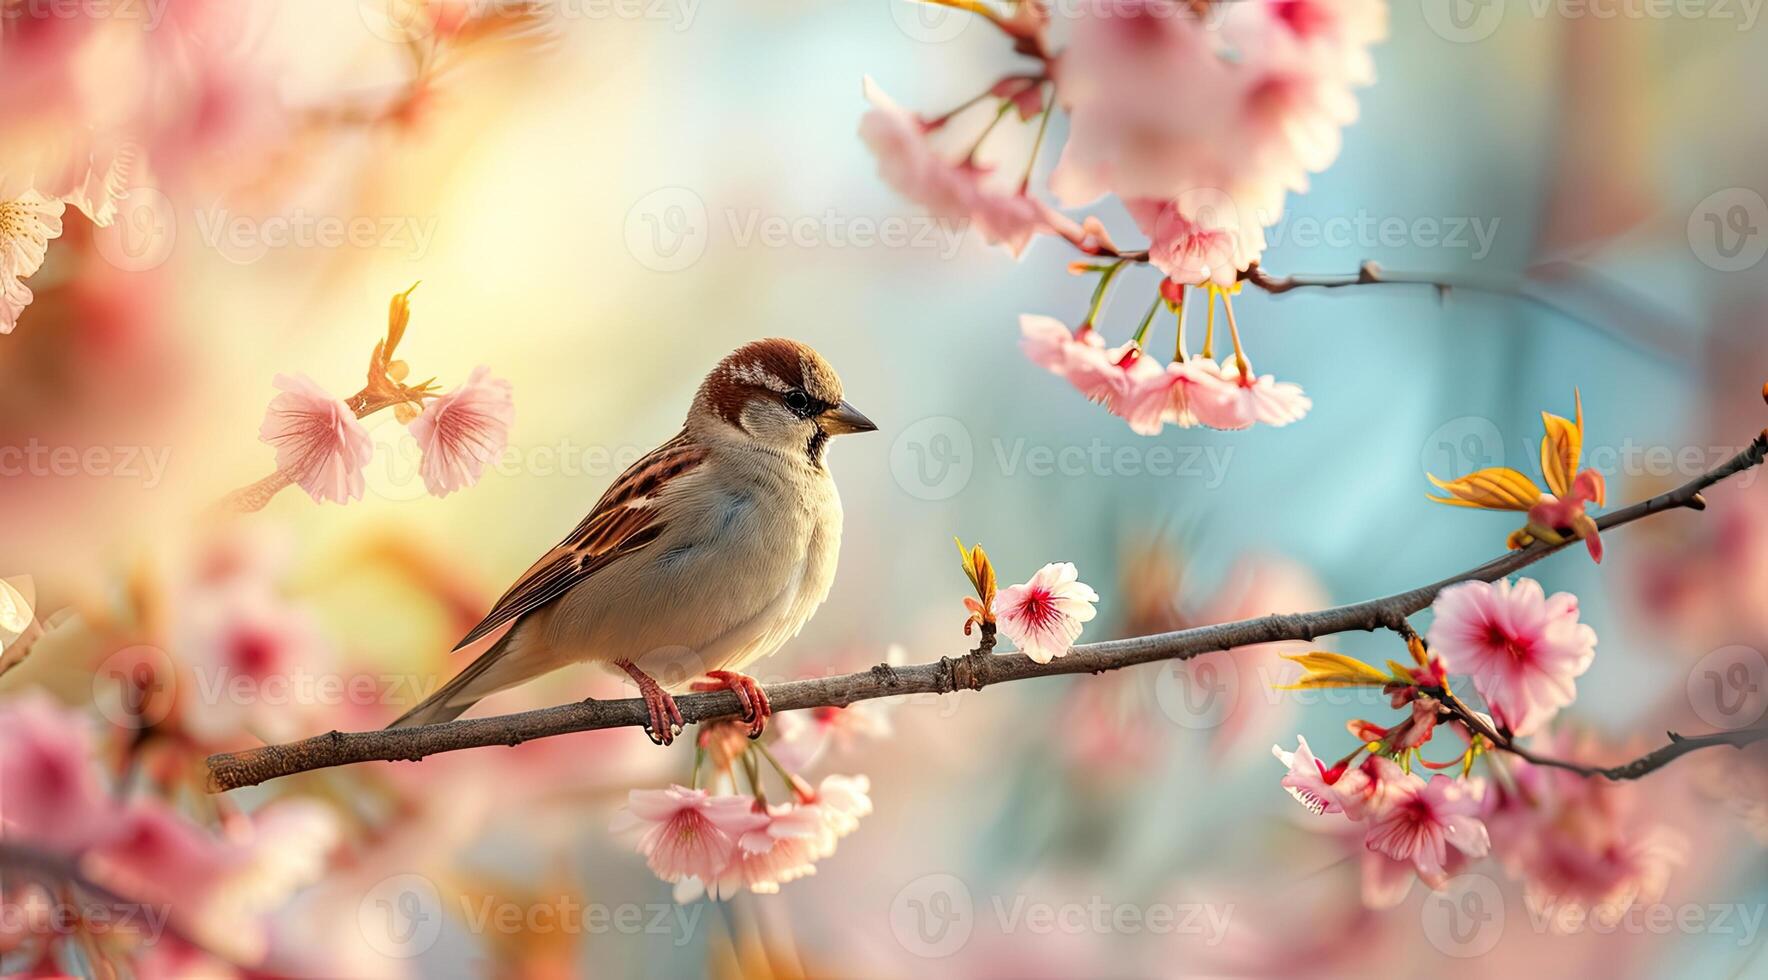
{"x": 1200, "y": 119}
{"x": 323, "y": 448}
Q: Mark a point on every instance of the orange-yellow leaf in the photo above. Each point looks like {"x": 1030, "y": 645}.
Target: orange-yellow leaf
{"x": 1560, "y": 448}
{"x": 1493, "y": 488}
{"x": 1334, "y": 670}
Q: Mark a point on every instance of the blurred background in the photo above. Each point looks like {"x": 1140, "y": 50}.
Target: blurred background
{"x": 602, "y": 200}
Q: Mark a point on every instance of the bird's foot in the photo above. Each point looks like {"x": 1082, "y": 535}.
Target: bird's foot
{"x": 665, "y": 718}
{"x": 756, "y": 708}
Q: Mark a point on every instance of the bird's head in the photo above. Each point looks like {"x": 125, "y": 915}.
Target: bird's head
{"x": 779, "y": 393}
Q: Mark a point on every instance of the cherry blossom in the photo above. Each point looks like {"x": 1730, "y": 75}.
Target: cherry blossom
{"x": 27, "y": 224}
{"x": 1418, "y": 821}
{"x": 958, "y": 191}
{"x": 1254, "y": 398}
{"x": 1307, "y": 779}
{"x": 319, "y": 444}
{"x": 1043, "y": 617}
{"x": 461, "y": 431}
{"x": 686, "y": 833}
{"x": 1522, "y": 648}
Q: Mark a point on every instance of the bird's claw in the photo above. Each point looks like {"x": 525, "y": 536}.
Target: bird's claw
{"x": 750, "y": 696}
{"x": 664, "y": 720}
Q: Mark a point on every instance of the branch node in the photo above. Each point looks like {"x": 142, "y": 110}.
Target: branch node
{"x": 1695, "y": 502}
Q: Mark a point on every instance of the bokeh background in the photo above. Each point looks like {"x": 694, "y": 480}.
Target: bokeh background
{"x": 602, "y": 208}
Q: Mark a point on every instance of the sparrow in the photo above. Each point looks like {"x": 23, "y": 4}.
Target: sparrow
{"x": 708, "y": 553}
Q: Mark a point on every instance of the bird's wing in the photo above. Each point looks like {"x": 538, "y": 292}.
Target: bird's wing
{"x": 623, "y": 521}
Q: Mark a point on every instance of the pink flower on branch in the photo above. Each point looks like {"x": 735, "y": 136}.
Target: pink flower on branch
{"x": 1419, "y": 821}
{"x": 1043, "y": 617}
{"x": 959, "y": 190}
{"x": 686, "y": 833}
{"x": 461, "y": 431}
{"x": 319, "y": 444}
{"x": 1523, "y": 648}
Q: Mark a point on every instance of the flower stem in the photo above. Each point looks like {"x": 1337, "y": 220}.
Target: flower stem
{"x": 1234, "y": 333}
{"x": 1148, "y": 319}
{"x": 1105, "y": 278}
{"x": 1001, "y": 113}
{"x": 699, "y": 760}
{"x": 1042, "y": 126}
{"x": 1209, "y": 324}
{"x": 1179, "y": 354}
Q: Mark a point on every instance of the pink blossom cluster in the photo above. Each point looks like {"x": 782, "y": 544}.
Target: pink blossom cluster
{"x": 212, "y": 890}
{"x": 96, "y": 94}
{"x": 722, "y": 845}
{"x": 322, "y": 447}
{"x": 1135, "y": 386}
{"x": 1201, "y": 119}
{"x": 1523, "y": 651}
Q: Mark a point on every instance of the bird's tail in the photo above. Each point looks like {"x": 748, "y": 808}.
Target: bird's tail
{"x": 455, "y": 697}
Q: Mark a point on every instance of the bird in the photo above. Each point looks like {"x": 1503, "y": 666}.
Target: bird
{"x": 706, "y": 554}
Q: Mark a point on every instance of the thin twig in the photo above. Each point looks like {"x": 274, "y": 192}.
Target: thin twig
{"x": 1679, "y": 745}
{"x": 973, "y": 671}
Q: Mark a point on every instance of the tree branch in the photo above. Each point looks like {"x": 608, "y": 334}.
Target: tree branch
{"x": 231, "y": 770}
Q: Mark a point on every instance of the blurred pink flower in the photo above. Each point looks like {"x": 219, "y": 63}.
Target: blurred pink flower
{"x": 319, "y": 444}
{"x": 251, "y": 654}
{"x": 1417, "y": 821}
{"x": 53, "y": 796}
{"x": 957, "y": 191}
{"x": 1043, "y": 617}
{"x": 1123, "y": 379}
{"x": 1523, "y": 649}
{"x": 686, "y": 833}
{"x": 1583, "y": 847}
{"x": 27, "y": 223}
{"x": 463, "y": 430}
{"x": 1198, "y": 395}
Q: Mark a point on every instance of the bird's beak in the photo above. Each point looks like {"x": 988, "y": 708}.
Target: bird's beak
{"x": 844, "y": 418}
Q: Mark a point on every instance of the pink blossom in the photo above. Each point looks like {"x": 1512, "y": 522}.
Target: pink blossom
{"x": 1123, "y": 379}
{"x": 956, "y": 191}
{"x": 1043, "y": 617}
{"x": 1049, "y": 344}
{"x": 462, "y": 431}
{"x": 27, "y": 224}
{"x": 1200, "y": 394}
{"x": 1252, "y": 398}
{"x": 685, "y": 833}
{"x": 1523, "y": 649}
{"x": 1246, "y": 101}
{"x": 1196, "y": 240}
{"x": 52, "y": 794}
{"x": 1307, "y": 779}
{"x": 319, "y": 444}
{"x": 1418, "y": 821}
{"x": 1588, "y": 487}
{"x": 155, "y": 853}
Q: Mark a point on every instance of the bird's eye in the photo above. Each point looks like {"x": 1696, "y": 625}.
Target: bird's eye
{"x": 798, "y": 401}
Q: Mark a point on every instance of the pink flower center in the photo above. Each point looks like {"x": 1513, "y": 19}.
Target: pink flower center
{"x": 1038, "y": 609}
{"x": 1303, "y": 17}
{"x": 1520, "y": 650}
